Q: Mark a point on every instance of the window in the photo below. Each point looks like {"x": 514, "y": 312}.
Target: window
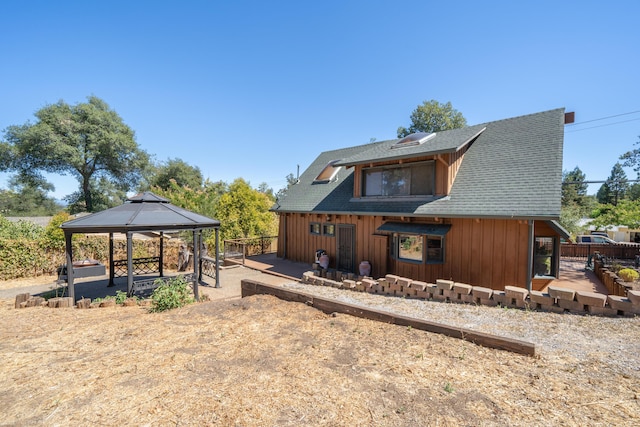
{"x": 412, "y": 180}
{"x": 328, "y": 229}
{"x": 314, "y": 228}
{"x": 328, "y": 173}
{"x": 434, "y": 249}
{"x": 544, "y": 257}
{"x": 410, "y": 247}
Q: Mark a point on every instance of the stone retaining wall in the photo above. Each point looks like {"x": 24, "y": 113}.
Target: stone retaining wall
{"x": 557, "y": 299}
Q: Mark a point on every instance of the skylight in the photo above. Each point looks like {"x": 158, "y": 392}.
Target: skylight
{"x": 413, "y": 139}
{"x": 329, "y": 172}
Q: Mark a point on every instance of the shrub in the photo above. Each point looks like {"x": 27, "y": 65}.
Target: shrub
{"x": 628, "y": 274}
{"x": 174, "y": 293}
{"x": 53, "y": 237}
{"x": 121, "y": 297}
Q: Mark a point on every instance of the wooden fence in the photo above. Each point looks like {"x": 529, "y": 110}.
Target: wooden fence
{"x": 621, "y": 251}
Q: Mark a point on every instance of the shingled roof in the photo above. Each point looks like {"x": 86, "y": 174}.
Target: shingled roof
{"x": 512, "y": 169}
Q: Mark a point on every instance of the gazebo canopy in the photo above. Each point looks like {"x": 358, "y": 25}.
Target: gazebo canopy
{"x": 143, "y": 212}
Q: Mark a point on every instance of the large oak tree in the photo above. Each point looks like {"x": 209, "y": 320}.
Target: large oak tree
{"x": 88, "y": 141}
{"x": 432, "y": 116}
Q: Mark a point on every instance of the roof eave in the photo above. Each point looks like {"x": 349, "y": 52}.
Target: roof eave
{"x": 535, "y": 217}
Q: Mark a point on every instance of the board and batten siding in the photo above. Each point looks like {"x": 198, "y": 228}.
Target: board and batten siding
{"x": 483, "y": 252}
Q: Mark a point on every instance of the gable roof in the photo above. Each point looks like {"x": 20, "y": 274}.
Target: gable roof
{"x": 512, "y": 169}
{"x": 443, "y": 142}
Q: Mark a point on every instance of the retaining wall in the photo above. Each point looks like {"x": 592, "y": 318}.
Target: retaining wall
{"x": 556, "y": 299}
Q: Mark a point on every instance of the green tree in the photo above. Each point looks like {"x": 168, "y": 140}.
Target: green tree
{"x": 106, "y": 194}
{"x": 626, "y": 212}
{"x": 634, "y": 192}
{"x": 202, "y": 200}
{"x": 570, "y": 217}
{"x": 87, "y": 140}
{"x": 244, "y": 212}
{"x": 177, "y": 170}
{"x": 265, "y": 189}
{"x": 615, "y": 188}
{"x": 291, "y": 180}
{"x": 632, "y": 158}
{"x": 28, "y": 198}
{"x": 433, "y": 116}
{"x": 574, "y": 189}
{"x": 53, "y": 237}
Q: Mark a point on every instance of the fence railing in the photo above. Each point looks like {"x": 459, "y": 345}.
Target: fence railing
{"x": 620, "y": 251}
{"x": 238, "y": 249}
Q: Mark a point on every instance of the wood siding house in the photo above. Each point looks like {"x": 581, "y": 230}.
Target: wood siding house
{"x": 477, "y": 205}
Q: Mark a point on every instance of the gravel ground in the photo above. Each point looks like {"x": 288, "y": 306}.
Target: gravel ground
{"x": 583, "y": 337}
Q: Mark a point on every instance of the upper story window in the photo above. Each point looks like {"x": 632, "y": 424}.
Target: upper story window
{"x": 416, "y": 179}
{"x": 328, "y": 173}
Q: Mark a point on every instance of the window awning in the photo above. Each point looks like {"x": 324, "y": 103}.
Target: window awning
{"x": 415, "y": 228}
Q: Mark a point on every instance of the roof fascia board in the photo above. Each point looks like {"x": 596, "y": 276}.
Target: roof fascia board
{"x": 412, "y": 215}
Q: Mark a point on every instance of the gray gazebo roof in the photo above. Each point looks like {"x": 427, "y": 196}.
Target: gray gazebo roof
{"x": 142, "y": 212}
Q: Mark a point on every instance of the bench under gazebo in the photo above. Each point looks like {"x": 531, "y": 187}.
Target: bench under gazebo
{"x": 142, "y": 213}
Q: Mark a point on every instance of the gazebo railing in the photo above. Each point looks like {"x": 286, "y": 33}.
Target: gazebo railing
{"x": 208, "y": 266}
{"x": 140, "y": 266}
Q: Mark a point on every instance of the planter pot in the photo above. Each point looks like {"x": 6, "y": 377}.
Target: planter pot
{"x": 365, "y": 268}
{"x": 324, "y": 261}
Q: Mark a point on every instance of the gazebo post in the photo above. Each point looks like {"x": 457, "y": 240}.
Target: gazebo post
{"x": 217, "y": 258}
{"x": 70, "y": 286}
{"x": 111, "y": 262}
{"x": 161, "y": 253}
{"x": 129, "y": 263}
{"x": 196, "y": 263}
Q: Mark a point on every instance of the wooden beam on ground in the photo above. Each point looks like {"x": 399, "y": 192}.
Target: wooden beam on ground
{"x": 253, "y": 287}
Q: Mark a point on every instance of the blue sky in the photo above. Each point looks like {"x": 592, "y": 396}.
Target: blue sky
{"x": 253, "y": 88}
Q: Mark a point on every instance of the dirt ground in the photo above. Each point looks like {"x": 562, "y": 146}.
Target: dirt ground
{"x": 264, "y": 362}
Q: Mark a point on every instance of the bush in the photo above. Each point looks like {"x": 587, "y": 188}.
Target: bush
{"x": 628, "y": 274}
{"x": 174, "y": 293}
{"x": 53, "y": 237}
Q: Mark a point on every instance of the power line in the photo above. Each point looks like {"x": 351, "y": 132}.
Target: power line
{"x": 600, "y": 126}
{"x": 607, "y": 181}
{"x": 604, "y": 118}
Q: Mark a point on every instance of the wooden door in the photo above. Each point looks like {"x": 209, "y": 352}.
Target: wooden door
{"x": 345, "y": 253}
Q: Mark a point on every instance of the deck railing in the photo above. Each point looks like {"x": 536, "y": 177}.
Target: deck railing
{"x": 237, "y": 249}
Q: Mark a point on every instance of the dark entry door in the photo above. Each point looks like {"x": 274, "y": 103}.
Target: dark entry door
{"x": 346, "y": 248}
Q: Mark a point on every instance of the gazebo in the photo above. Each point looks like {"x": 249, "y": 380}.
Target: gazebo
{"x": 142, "y": 213}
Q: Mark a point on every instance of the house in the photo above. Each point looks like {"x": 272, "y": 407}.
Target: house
{"x": 477, "y": 205}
